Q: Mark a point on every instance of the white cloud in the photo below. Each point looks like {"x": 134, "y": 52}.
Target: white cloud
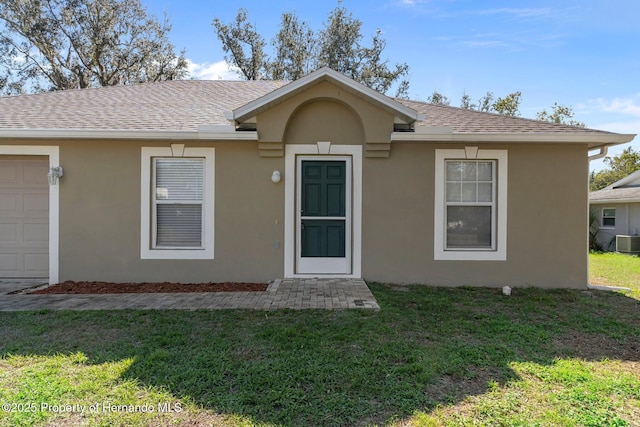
{"x": 616, "y": 115}
{"x": 629, "y": 127}
{"x": 486, "y": 43}
{"x": 517, "y": 12}
{"x": 630, "y": 106}
{"x": 411, "y": 3}
{"x": 212, "y": 71}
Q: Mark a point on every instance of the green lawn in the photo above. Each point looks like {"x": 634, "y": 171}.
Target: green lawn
{"x": 614, "y": 269}
{"x": 429, "y": 357}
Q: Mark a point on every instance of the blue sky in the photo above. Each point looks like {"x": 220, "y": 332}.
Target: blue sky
{"x": 580, "y": 53}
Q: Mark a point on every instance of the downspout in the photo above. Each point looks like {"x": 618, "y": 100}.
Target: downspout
{"x": 603, "y": 152}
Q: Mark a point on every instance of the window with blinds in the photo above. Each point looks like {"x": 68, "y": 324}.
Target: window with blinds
{"x": 178, "y": 203}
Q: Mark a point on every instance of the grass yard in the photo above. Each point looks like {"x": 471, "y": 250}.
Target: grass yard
{"x": 429, "y": 357}
{"x": 612, "y": 269}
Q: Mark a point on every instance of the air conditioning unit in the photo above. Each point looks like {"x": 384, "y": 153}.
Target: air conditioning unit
{"x": 628, "y": 244}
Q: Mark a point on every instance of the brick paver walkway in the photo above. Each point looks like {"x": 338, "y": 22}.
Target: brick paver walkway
{"x": 296, "y": 294}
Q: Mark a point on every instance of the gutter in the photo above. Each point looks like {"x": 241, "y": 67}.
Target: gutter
{"x": 609, "y": 201}
{"x": 440, "y": 135}
{"x": 222, "y": 133}
{"x": 229, "y": 133}
{"x": 603, "y": 152}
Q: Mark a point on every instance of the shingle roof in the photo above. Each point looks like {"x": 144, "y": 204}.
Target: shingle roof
{"x": 627, "y": 194}
{"x": 471, "y": 121}
{"x": 179, "y": 105}
{"x": 182, "y": 105}
{"x": 625, "y": 190}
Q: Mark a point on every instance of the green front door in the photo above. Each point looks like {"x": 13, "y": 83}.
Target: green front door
{"x": 323, "y": 215}
{"x": 323, "y": 208}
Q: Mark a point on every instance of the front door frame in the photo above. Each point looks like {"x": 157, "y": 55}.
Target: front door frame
{"x": 53, "y": 152}
{"x": 324, "y": 151}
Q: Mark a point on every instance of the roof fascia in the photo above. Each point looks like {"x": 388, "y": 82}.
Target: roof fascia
{"x": 279, "y": 95}
{"x": 213, "y": 134}
{"x": 594, "y": 140}
{"x": 612, "y": 201}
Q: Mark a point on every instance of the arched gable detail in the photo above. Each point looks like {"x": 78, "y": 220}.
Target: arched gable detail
{"x": 325, "y": 112}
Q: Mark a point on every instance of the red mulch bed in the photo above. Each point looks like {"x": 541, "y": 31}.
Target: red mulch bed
{"x": 70, "y": 287}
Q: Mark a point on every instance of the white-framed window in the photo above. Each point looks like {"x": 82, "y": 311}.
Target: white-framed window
{"x": 470, "y": 209}
{"x": 177, "y": 200}
{"x": 608, "y": 218}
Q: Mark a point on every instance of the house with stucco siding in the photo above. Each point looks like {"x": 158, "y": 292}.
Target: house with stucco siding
{"x": 199, "y": 181}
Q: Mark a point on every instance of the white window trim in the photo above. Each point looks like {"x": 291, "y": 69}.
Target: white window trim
{"x": 607, "y": 227}
{"x": 440, "y": 228}
{"x": 54, "y": 200}
{"x": 146, "y": 192}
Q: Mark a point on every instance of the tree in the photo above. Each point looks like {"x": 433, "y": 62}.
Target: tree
{"x": 66, "y": 44}
{"x": 438, "y": 99}
{"x": 298, "y": 50}
{"x": 339, "y": 43}
{"x": 485, "y": 103}
{"x": 465, "y": 102}
{"x": 243, "y": 45}
{"x": 618, "y": 167}
{"x": 340, "y": 49}
{"x": 294, "y": 45}
{"x": 560, "y": 114}
{"x": 509, "y": 105}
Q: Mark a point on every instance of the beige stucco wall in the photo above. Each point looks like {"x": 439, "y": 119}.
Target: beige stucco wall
{"x": 100, "y": 215}
{"x": 308, "y": 117}
{"x": 330, "y": 120}
{"x": 546, "y": 233}
{"x": 547, "y": 196}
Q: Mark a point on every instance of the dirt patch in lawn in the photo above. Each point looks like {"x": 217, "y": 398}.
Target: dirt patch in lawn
{"x": 593, "y": 346}
{"x": 70, "y": 287}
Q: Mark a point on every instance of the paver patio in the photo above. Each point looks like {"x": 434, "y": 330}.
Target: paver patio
{"x": 295, "y": 294}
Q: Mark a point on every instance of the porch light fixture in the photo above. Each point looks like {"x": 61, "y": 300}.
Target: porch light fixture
{"x": 54, "y": 173}
{"x": 275, "y": 177}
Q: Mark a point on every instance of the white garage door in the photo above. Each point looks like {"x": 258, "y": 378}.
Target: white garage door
{"x": 24, "y": 217}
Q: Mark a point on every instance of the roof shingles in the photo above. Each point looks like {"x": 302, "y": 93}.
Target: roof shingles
{"x": 182, "y": 105}
{"x": 615, "y": 194}
{"x": 179, "y": 105}
{"x": 471, "y": 121}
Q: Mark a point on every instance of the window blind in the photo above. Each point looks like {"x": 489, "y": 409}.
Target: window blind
{"x": 178, "y": 204}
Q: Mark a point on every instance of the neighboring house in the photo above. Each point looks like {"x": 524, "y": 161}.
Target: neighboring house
{"x": 197, "y": 181}
{"x": 617, "y": 210}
